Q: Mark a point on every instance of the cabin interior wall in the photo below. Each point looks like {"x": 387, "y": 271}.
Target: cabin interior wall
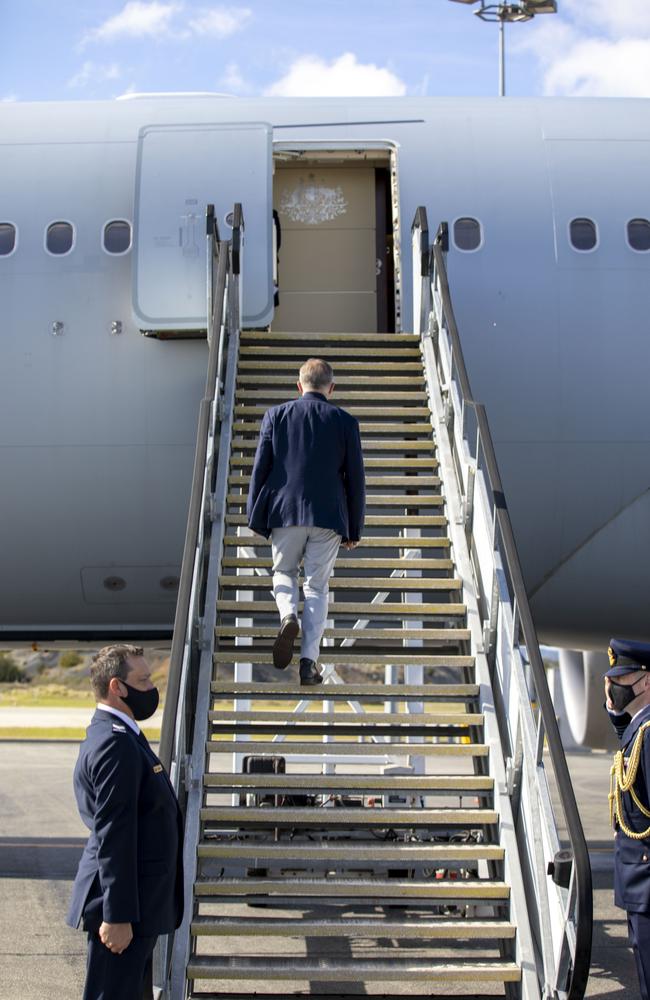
{"x": 336, "y": 227}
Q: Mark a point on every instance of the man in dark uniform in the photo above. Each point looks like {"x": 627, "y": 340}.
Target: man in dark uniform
{"x": 627, "y": 690}
{"x": 129, "y": 886}
{"x": 307, "y": 492}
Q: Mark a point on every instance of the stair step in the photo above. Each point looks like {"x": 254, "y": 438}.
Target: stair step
{"x": 252, "y": 562}
{"x": 381, "y": 410}
{"x": 339, "y": 748}
{"x": 342, "y": 723}
{"x": 352, "y": 852}
{"x": 250, "y": 444}
{"x": 396, "y": 610}
{"x": 372, "y": 482}
{"x": 368, "y": 541}
{"x": 461, "y": 783}
{"x": 245, "y": 654}
{"x": 297, "y": 352}
{"x": 356, "y": 888}
{"x": 378, "y": 521}
{"x": 423, "y": 430}
{"x": 385, "y": 462}
{"x": 353, "y": 969}
{"x": 426, "y": 634}
{"x": 348, "y": 730}
{"x": 413, "y": 501}
{"x": 319, "y": 339}
{"x": 376, "y": 583}
{"x": 349, "y": 692}
{"x": 346, "y": 366}
{"x": 350, "y": 927}
{"x": 430, "y": 719}
{"x": 289, "y": 380}
{"x": 346, "y": 818}
{"x": 377, "y": 396}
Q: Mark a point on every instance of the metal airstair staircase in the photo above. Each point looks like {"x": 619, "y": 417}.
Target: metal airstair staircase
{"x": 391, "y": 832}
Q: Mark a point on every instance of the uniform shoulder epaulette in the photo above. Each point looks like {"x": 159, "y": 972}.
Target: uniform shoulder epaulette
{"x": 636, "y": 741}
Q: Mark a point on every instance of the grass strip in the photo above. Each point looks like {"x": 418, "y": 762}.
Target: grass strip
{"x": 57, "y": 733}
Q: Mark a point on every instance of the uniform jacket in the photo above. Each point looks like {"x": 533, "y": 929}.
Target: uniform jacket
{"x": 131, "y": 868}
{"x": 308, "y": 469}
{"x": 632, "y": 857}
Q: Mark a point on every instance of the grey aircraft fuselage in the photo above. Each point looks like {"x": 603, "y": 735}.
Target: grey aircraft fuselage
{"x": 98, "y": 422}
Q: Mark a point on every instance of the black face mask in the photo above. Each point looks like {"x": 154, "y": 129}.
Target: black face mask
{"x": 143, "y": 704}
{"x": 621, "y": 695}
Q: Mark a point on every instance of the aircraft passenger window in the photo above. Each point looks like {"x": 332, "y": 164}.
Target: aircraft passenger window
{"x": 7, "y": 238}
{"x": 117, "y": 236}
{"x": 60, "y": 237}
{"x": 583, "y": 234}
{"x": 467, "y": 234}
{"x": 638, "y": 234}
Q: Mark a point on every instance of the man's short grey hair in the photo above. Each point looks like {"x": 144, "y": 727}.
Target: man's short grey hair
{"x": 109, "y": 662}
{"x": 316, "y": 373}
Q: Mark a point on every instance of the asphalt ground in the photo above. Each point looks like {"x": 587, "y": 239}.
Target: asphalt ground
{"x": 41, "y": 838}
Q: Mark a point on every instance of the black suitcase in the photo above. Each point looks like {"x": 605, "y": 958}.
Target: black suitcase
{"x": 263, "y": 765}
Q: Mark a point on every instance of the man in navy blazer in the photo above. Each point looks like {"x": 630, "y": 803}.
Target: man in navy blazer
{"x": 307, "y": 493}
{"x": 129, "y": 885}
{"x": 627, "y": 692}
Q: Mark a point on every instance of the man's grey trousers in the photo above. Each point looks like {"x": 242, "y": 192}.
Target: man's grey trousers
{"x": 319, "y": 548}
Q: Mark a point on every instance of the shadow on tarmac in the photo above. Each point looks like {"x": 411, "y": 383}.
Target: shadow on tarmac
{"x": 51, "y": 858}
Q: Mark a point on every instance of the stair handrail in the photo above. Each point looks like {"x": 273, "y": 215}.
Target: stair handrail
{"x": 182, "y": 640}
{"x": 223, "y": 260}
{"x": 571, "y": 871}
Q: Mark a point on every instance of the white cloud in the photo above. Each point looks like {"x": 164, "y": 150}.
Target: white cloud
{"x": 9, "y": 99}
{"x": 311, "y": 76}
{"x": 232, "y": 80}
{"x": 596, "y": 68}
{"x": 136, "y": 20}
{"x": 153, "y": 19}
{"x": 220, "y": 22}
{"x": 619, "y": 17}
{"x": 90, "y": 72}
{"x": 596, "y": 48}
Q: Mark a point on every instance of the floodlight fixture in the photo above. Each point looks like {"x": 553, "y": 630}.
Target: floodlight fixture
{"x": 541, "y": 6}
{"x": 504, "y": 13}
{"x": 509, "y": 13}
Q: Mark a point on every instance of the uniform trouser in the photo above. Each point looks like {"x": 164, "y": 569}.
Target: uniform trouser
{"x": 319, "y": 548}
{"x": 639, "y": 929}
{"x": 119, "y": 977}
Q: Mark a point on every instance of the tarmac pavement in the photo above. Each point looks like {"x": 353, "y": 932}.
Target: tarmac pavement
{"x": 41, "y": 838}
{"x": 55, "y": 718}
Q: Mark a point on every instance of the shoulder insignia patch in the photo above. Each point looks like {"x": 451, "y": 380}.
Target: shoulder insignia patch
{"x": 118, "y": 728}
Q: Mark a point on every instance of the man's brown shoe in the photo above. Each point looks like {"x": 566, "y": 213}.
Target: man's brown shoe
{"x": 283, "y": 645}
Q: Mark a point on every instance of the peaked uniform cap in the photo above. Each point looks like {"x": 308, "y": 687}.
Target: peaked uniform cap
{"x": 627, "y": 656}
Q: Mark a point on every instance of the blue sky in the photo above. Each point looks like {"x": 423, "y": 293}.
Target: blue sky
{"x": 76, "y": 50}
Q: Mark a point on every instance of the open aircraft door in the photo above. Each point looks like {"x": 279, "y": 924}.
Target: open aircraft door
{"x": 180, "y": 170}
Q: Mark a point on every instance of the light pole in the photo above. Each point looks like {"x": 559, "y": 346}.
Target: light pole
{"x": 502, "y": 13}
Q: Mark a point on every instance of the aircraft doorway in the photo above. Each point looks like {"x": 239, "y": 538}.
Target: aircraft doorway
{"x": 336, "y": 253}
